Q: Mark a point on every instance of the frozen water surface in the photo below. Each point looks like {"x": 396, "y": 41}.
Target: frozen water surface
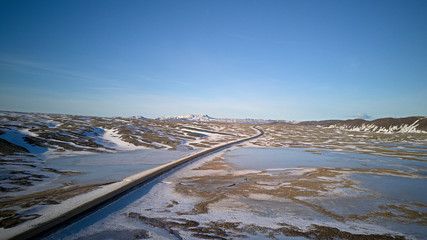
{"x": 393, "y": 194}
{"x": 277, "y": 158}
{"x": 107, "y": 167}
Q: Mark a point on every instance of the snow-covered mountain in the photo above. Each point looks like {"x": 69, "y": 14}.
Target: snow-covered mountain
{"x": 138, "y": 117}
{"x": 207, "y": 118}
{"x": 189, "y": 117}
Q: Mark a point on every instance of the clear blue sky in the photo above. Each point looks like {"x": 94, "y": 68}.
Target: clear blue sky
{"x": 294, "y": 60}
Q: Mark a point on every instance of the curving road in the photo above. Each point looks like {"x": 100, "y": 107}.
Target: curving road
{"x": 59, "y": 215}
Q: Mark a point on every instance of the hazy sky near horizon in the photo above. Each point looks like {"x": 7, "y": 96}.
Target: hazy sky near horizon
{"x": 294, "y": 60}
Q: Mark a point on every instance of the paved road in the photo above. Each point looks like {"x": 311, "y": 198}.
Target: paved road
{"x": 104, "y": 203}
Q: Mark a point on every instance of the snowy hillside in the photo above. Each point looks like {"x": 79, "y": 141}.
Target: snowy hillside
{"x": 385, "y": 125}
{"x": 27, "y": 140}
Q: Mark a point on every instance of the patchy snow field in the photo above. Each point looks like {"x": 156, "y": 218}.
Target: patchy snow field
{"x": 408, "y": 146}
{"x": 294, "y": 182}
{"x": 41, "y": 153}
{"x": 315, "y": 183}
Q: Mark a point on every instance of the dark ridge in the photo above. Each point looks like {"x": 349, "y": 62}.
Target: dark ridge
{"x": 420, "y": 122}
{"x": 389, "y": 122}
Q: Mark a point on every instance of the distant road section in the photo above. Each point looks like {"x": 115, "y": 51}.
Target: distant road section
{"x": 57, "y": 214}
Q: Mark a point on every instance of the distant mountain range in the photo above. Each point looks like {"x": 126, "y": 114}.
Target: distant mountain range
{"x": 189, "y": 117}
{"x": 386, "y": 125}
{"x": 206, "y": 118}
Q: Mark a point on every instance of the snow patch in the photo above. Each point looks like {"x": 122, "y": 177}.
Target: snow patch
{"x": 111, "y": 135}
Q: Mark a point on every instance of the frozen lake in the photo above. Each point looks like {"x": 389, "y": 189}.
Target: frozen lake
{"x": 279, "y": 158}
{"x": 107, "y": 167}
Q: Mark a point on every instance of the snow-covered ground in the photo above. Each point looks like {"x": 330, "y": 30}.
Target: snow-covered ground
{"x": 212, "y": 198}
{"x": 29, "y": 140}
{"x": 409, "y": 146}
{"x": 111, "y": 136}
